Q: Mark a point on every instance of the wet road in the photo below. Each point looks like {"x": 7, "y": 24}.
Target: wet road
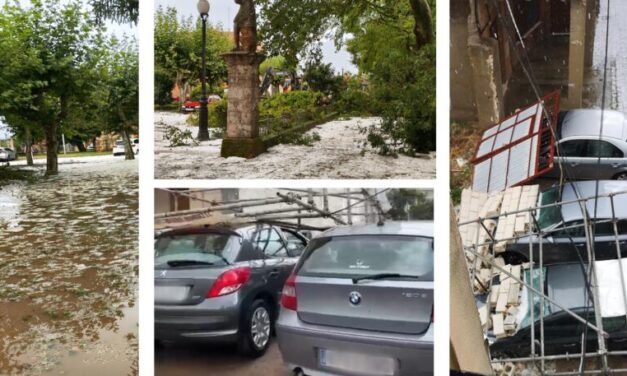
{"x": 616, "y": 87}
{"x": 209, "y": 360}
{"x": 68, "y": 273}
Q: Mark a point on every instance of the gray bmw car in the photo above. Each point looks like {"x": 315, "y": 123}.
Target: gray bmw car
{"x": 222, "y": 284}
{"x": 360, "y": 302}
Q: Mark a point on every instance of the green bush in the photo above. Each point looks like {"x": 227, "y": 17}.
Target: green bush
{"x": 285, "y": 105}
{"x": 217, "y": 114}
{"x": 355, "y": 99}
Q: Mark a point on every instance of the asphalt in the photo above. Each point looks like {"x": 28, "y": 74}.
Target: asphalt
{"x": 209, "y": 360}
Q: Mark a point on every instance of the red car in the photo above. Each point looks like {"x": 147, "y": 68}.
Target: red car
{"x": 191, "y": 106}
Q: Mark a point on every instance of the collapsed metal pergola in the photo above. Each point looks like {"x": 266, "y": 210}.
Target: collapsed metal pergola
{"x": 301, "y": 208}
{"x": 540, "y": 359}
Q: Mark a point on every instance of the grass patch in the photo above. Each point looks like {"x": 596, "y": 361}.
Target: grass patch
{"x": 11, "y": 174}
{"x": 76, "y": 154}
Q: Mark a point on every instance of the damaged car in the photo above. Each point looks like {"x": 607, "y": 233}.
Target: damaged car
{"x": 564, "y": 333}
{"x": 563, "y": 226}
{"x": 222, "y": 284}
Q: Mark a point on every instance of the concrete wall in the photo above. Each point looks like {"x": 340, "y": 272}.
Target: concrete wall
{"x": 463, "y": 106}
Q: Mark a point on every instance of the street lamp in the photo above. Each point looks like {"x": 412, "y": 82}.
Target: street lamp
{"x": 203, "y": 116}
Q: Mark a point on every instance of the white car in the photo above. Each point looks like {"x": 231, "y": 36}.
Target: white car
{"x": 118, "y": 148}
{"x": 7, "y": 154}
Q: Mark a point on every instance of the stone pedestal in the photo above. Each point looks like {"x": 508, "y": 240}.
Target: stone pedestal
{"x": 242, "y": 129}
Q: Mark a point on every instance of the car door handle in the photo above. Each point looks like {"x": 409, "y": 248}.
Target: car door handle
{"x": 273, "y": 274}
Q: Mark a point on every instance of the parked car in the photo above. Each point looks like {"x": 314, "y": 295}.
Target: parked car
{"x": 194, "y": 105}
{"x": 222, "y": 284}
{"x": 7, "y": 155}
{"x": 581, "y": 144}
{"x": 565, "y": 284}
{"x": 119, "y": 148}
{"x": 360, "y": 302}
{"x": 561, "y": 240}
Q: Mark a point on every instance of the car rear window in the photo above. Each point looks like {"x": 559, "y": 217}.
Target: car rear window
{"x": 355, "y": 256}
{"x": 218, "y": 249}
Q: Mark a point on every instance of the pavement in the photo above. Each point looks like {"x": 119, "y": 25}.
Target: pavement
{"x": 209, "y": 360}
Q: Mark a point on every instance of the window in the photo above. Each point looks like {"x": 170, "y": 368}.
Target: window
{"x": 270, "y": 243}
{"x": 218, "y": 249}
{"x": 602, "y": 149}
{"x": 575, "y": 232}
{"x": 550, "y": 216}
{"x": 354, "y": 256}
{"x": 574, "y": 148}
{"x": 295, "y": 245}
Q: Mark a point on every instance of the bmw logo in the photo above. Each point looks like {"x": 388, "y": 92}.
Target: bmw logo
{"x": 355, "y": 298}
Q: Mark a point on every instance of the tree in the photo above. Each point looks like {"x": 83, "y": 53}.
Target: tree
{"x": 178, "y": 51}
{"x": 321, "y": 77}
{"x": 122, "y": 106}
{"x": 46, "y": 52}
{"x": 409, "y": 204}
{"x": 392, "y": 42}
{"x": 116, "y": 10}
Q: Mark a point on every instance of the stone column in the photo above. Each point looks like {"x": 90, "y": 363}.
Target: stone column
{"x": 242, "y": 129}
{"x": 577, "y": 52}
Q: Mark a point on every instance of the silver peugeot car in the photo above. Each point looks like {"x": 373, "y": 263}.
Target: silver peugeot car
{"x": 590, "y": 150}
{"x": 360, "y": 302}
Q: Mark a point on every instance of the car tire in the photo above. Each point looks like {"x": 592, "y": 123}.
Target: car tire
{"x": 254, "y": 337}
{"x": 621, "y": 176}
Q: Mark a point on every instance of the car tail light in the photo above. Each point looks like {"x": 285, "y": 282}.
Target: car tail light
{"x": 229, "y": 282}
{"x": 288, "y": 297}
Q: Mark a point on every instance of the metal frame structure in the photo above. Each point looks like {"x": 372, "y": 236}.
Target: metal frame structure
{"x": 359, "y": 203}
{"x": 527, "y": 133}
{"x": 540, "y": 360}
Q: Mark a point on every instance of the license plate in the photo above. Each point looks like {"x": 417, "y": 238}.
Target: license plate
{"x": 171, "y": 294}
{"x": 364, "y": 364}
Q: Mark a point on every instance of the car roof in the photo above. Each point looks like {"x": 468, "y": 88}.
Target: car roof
{"x": 588, "y": 189}
{"x": 410, "y": 228}
{"x": 587, "y": 122}
{"x": 566, "y": 286}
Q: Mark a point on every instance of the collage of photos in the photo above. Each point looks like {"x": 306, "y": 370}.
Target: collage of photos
{"x": 288, "y": 214}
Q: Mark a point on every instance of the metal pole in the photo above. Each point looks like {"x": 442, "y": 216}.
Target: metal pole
{"x": 63, "y": 140}
{"x": 203, "y": 115}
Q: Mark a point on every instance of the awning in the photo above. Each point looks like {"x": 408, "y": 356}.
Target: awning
{"x": 518, "y": 149}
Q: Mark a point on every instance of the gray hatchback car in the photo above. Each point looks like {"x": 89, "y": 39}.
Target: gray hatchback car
{"x": 222, "y": 284}
{"x": 360, "y": 302}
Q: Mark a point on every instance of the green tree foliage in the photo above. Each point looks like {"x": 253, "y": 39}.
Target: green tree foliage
{"x": 178, "y": 51}
{"x": 47, "y": 66}
{"x": 392, "y": 43}
{"x": 116, "y": 10}
{"x": 122, "y": 86}
{"x": 410, "y": 204}
{"x": 321, "y": 77}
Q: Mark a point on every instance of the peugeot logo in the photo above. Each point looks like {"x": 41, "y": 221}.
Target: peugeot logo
{"x": 163, "y": 273}
{"x": 354, "y": 298}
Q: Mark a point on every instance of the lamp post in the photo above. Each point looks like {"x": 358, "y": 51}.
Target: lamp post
{"x": 203, "y": 116}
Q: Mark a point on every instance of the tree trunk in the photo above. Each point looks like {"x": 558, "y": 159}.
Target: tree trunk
{"x": 29, "y": 148}
{"x": 423, "y": 28}
{"x": 52, "y": 162}
{"x": 129, "y": 154}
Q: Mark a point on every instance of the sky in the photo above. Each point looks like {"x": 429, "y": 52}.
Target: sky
{"x": 223, "y": 11}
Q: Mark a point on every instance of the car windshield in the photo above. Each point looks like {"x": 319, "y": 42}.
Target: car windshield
{"x": 359, "y": 256}
{"x": 215, "y": 249}
{"x": 119, "y": 143}
{"x": 548, "y": 217}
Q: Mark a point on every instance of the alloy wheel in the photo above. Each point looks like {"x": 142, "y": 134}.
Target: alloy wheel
{"x": 260, "y": 327}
